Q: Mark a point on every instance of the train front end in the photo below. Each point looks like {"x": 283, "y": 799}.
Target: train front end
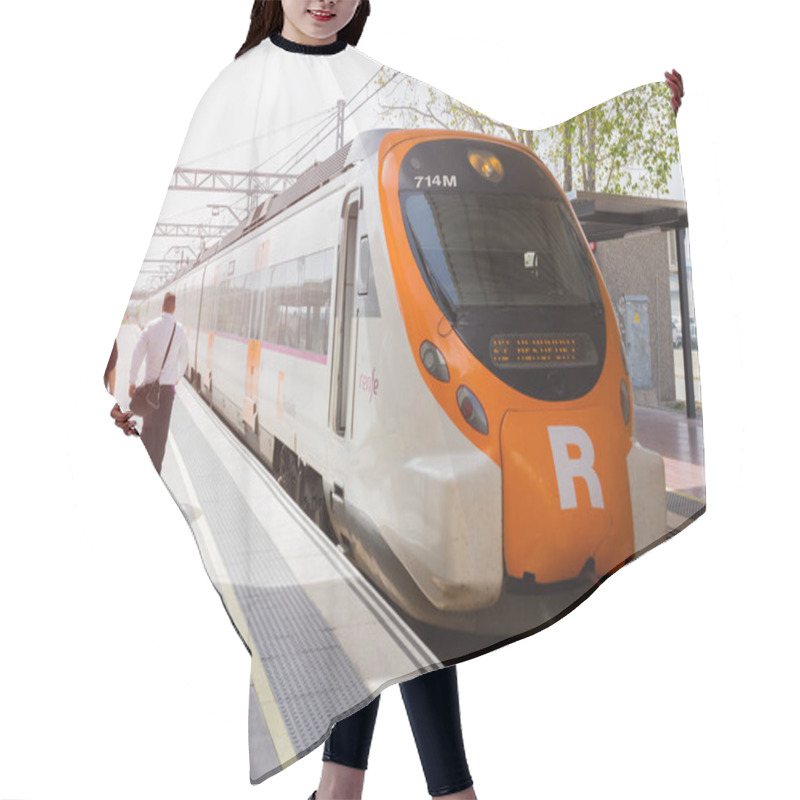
{"x": 514, "y": 333}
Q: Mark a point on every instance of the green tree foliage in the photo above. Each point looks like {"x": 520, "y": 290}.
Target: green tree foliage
{"x": 627, "y": 145}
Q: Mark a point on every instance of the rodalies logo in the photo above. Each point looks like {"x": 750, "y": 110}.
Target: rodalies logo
{"x": 368, "y": 383}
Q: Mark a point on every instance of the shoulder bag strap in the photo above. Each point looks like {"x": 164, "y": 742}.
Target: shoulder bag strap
{"x": 174, "y": 325}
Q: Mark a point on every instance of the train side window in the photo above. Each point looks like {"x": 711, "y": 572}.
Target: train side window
{"x": 273, "y": 307}
{"x": 322, "y": 298}
{"x": 292, "y": 305}
{"x": 327, "y": 288}
{"x": 245, "y": 309}
{"x": 263, "y": 286}
{"x": 280, "y": 303}
{"x": 364, "y": 265}
{"x": 302, "y": 305}
{"x": 248, "y": 309}
{"x": 222, "y": 313}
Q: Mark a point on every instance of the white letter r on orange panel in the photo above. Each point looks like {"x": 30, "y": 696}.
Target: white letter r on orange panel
{"x": 568, "y": 469}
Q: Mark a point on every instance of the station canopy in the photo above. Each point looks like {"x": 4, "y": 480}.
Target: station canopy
{"x": 611, "y": 216}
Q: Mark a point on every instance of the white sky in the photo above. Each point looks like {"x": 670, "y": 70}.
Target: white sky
{"x": 284, "y": 141}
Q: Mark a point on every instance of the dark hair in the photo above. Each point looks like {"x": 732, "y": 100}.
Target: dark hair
{"x": 169, "y": 301}
{"x": 266, "y": 18}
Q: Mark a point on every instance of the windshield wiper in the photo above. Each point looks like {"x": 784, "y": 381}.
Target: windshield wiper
{"x": 441, "y": 298}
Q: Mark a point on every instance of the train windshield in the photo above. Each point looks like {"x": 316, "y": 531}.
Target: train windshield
{"x": 491, "y": 249}
{"x": 499, "y": 249}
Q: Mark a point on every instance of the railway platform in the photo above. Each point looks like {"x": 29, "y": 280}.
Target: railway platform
{"x": 291, "y": 593}
{"x": 679, "y": 441}
{"x": 263, "y": 549}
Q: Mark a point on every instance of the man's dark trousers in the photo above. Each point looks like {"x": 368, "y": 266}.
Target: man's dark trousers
{"x": 156, "y": 426}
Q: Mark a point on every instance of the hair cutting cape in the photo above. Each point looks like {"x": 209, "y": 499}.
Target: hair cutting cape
{"x": 423, "y": 405}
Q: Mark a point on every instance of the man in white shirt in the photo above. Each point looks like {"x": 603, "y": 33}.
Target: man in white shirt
{"x": 151, "y": 347}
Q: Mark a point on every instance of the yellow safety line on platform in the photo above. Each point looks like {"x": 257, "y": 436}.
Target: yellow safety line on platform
{"x": 266, "y": 699}
{"x": 688, "y": 496}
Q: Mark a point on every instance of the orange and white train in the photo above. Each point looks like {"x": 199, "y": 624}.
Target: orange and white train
{"x": 416, "y": 338}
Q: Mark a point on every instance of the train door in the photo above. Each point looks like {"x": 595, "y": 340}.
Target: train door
{"x": 253, "y": 363}
{"x": 198, "y": 294}
{"x": 345, "y": 323}
{"x": 213, "y": 308}
{"x": 256, "y": 283}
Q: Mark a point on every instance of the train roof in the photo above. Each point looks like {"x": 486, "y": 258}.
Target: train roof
{"x": 362, "y": 146}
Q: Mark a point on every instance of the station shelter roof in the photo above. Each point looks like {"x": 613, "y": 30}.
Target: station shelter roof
{"x": 611, "y": 216}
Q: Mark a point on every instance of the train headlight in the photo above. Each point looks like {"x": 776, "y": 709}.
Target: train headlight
{"x": 434, "y": 362}
{"x": 487, "y": 165}
{"x": 472, "y": 410}
{"x": 625, "y": 400}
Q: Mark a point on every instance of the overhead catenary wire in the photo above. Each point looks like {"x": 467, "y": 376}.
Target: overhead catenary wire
{"x": 267, "y": 134}
{"x": 323, "y": 124}
{"x": 287, "y": 166}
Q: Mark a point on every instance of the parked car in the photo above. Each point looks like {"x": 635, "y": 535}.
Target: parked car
{"x": 677, "y": 332}
{"x": 677, "y": 339}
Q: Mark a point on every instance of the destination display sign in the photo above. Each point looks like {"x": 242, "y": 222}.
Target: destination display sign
{"x": 542, "y": 350}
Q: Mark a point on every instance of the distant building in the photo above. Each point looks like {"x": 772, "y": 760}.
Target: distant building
{"x": 635, "y": 248}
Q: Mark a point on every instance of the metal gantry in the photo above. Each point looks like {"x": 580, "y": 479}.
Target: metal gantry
{"x": 251, "y": 184}
{"x": 192, "y": 230}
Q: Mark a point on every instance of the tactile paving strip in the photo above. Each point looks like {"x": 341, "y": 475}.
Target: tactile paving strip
{"x": 684, "y": 505}
{"x": 282, "y": 620}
